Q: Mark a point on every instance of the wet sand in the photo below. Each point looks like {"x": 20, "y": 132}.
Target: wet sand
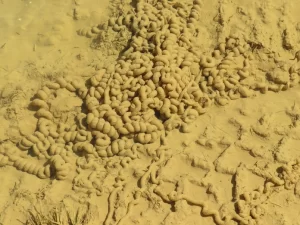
{"x": 149, "y": 112}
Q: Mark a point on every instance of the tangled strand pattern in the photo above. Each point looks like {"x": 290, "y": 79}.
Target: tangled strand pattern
{"x": 159, "y": 83}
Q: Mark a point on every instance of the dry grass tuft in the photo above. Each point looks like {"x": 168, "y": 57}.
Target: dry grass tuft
{"x": 60, "y": 215}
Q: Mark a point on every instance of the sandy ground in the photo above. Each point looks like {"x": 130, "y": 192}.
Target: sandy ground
{"x": 218, "y": 145}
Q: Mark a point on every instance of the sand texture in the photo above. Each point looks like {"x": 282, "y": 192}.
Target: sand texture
{"x": 150, "y": 112}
